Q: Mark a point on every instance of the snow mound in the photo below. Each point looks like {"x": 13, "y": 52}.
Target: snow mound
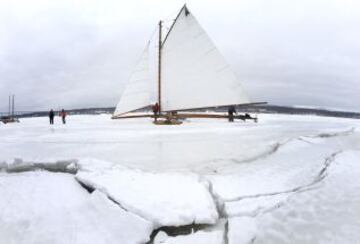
{"x": 167, "y": 199}
{"x": 42, "y": 207}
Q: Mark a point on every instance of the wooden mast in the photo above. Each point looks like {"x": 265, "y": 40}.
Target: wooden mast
{"x": 13, "y": 107}
{"x": 9, "y": 105}
{"x": 159, "y": 67}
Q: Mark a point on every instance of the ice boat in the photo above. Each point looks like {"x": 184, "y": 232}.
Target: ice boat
{"x": 191, "y": 76}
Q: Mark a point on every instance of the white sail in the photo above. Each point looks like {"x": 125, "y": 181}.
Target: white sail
{"x": 138, "y": 92}
{"x": 194, "y": 73}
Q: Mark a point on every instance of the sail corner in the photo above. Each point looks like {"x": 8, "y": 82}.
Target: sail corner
{"x": 187, "y": 12}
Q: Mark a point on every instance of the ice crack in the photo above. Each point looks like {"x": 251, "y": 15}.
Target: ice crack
{"x": 282, "y": 194}
{"x": 335, "y": 134}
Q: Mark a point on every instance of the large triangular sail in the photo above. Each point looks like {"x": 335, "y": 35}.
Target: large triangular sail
{"x": 191, "y": 73}
{"x": 194, "y": 73}
{"x": 137, "y": 93}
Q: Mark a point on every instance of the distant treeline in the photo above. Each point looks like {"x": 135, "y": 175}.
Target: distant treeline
{"x": 70, "y": 112}
{"x": 242, "y": 109}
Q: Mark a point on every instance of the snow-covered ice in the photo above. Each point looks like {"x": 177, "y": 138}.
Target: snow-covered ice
{"x": 201, "y": 145}
{"x": 328, "y": 213}
{"x": 167, "y": 199}
{"x": 42, "y": 207}
{"x": 286, "y": 179}
{"x": 241, "y": 230}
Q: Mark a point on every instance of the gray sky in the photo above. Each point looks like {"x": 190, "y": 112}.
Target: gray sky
{"x": 73, "y": 54}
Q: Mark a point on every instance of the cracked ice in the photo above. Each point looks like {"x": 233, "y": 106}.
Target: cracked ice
{"x": 287, "y": 179}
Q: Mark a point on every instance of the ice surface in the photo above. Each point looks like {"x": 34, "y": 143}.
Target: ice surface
{"x": 295, "y": 164}
{"x": 241, "y": 230}
{"x": 286, "y": 179}
{"x": 255, "y": 205}
{"x": 328, "y": 213}
{"x": 202, "y": 145}
{"x": 167, "y": 199}
{"x": 42, "y": 207}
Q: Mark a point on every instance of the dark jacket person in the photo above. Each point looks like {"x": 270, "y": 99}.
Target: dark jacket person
{"x": 51, "y": 116}
{"x": 63, "y": 114}
{"x": 156, "y": 110}
{"x": 231, "y": 112}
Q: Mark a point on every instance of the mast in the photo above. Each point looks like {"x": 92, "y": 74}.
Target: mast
{"x": 13, "y": 106}
{"x": 159, "y": 67}
{"x": 9, "y": 105}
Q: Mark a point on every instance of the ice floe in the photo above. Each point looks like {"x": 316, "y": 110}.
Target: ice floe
{"x": 167, "y": 199}
{"x": 42, "y": 207}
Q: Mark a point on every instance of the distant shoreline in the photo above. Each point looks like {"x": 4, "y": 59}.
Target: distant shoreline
{"x": 268, "y": 109}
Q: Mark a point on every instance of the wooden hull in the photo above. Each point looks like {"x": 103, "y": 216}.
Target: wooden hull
{"x": 187, "y": 115}
{"x": 133, "y": 116}
{"x": 7, "y": 120}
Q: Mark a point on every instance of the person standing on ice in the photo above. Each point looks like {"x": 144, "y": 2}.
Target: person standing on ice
{"x": 155, "y": 109}
{"x": 231, "y": 112}
{"x": 51, "y": 116}
{"x": 63, "y": 114}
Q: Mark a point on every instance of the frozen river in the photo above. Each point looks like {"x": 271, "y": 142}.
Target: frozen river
{"x": 286, "y": 179}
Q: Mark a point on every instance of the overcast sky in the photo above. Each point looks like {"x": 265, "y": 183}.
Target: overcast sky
{"x": 74, "y": 54}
